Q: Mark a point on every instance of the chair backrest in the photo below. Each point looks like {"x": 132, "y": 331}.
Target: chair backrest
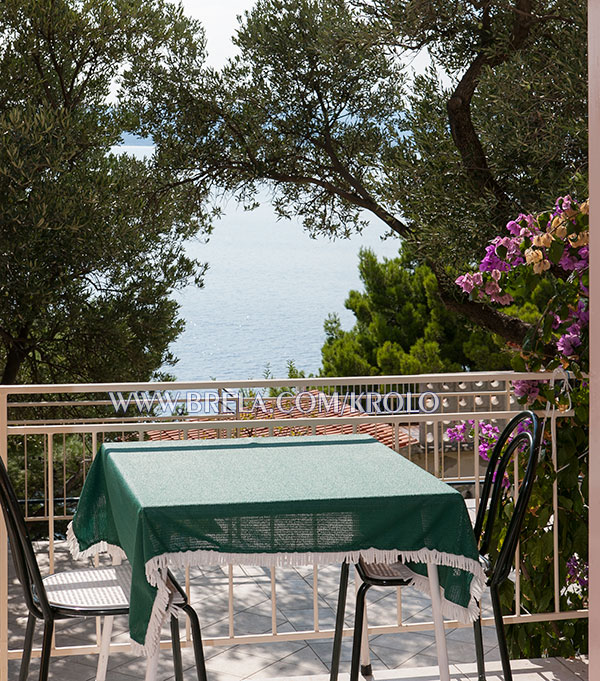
{"x": 521, "y": 437}
{"x": 22, "y": 551}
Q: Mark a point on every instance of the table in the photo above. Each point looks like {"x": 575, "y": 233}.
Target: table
{"x": 274, "y": 501}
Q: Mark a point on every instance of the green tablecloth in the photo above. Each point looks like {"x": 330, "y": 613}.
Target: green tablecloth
{"x": 270, "y": 501}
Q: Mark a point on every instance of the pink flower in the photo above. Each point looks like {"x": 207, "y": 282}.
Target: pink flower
{"x": 568, "y": 262}
{"x": 514, "y": 228}
{"x": 457, "y": 434}
{"x": 566, "y": 344}
{"x": 504, "y": 299}
{"x": 565, "y": 201}
{"x": 492, "y": 288}
{"x": 465, "y": 281}
{"x": 528, "y": 389}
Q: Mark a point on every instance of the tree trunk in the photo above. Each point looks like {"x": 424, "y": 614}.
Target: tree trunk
{"x": 16, "y": 355}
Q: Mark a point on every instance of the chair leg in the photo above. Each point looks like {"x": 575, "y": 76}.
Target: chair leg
{"x": 479, "y": 649}
{"x": 46, "y": 647}
{"x": 339, "y": 622}
{"x": 358, "y": 630}
{"x": 176, "y": 645}
{"x": 107, "y": 626}
{"x": 197, "y": 642}
{"x": 27, "y": 646}
{"x": 500, "y": 633}
{"x": 438, "y": 621}
{"x": 366, "y": 668}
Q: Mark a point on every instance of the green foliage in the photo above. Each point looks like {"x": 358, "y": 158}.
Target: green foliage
{"x": 91, "y": 241}
{"x": 402, "y": 327}
{"x": 543, "y": 269}
{"x": 322, "y": 106}
{"x": 569, "y": 637}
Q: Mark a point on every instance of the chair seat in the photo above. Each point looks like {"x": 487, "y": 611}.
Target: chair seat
{"x": 385, "y": 573}
{"x": 96, "y": 588}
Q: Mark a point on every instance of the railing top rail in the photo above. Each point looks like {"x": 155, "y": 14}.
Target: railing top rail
{"x": 255, "y": 424}
{"x": 67, "y": 388}
{"x": 266, "y": 398}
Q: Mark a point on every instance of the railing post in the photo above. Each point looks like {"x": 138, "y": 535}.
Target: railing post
{"x": 3, "y": 547}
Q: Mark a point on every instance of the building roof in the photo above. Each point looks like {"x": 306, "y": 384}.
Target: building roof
{"x": 293, "y": 408}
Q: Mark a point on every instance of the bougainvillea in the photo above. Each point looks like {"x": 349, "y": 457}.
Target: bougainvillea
{"x": 542, "y": 264}
{"x": 553, "y": 245}
{"x": 577, "y": 572}
{"x": 488, "y": 436}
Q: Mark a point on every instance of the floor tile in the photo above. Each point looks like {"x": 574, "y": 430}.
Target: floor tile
{"x": 466, "y": 635}
{"x": 237, "y": 661}
{"x": 61, "y": 669}
{"x": 301, "y": 662}
{"x": 302, "y": 620}
{"x": 278, "y": 650}
{"x": 578, "y": 666}
{"x": 135, "y": 667}
{"x": 524, "y": 670}
{"x": 324, "y": 650}
{"x": 415, "y": 644}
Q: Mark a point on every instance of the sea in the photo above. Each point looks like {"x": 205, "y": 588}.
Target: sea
{"x": 268, "y": 289}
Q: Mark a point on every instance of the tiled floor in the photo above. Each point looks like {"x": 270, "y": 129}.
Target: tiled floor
{"x": 522, "y": 670}
{"x": 393, "y": 656}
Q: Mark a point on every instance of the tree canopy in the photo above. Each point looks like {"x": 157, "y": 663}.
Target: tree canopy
{"x": 402, "y": 327}
{"x": 321, "y": 106}
{"x": 91, "y": 241}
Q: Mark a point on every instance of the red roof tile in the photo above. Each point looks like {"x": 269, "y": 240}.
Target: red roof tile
{"x": 383, "y": 432}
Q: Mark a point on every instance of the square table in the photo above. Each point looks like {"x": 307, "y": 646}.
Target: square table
{"x": 272, "y": 501}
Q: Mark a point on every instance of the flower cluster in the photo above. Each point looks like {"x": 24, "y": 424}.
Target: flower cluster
{"x": 554, "y": 243}
{"x": 488, "y": 435}
{"x": 556, "y": 238}
{"x": 576, "y": 322}
{"x": 540, "y": 267}
{"x": 460, "y": 432}
{"x": 577, "y": 572}
{"x": 468, "y": 282}
{"x": 502, "y": 254}
{"x": 528, "y": 391}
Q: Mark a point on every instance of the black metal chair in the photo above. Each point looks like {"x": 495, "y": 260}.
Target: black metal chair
{"x": 522, "y": 433}
{"x": 78, "y": 593}
{"x": 372, "y": 574}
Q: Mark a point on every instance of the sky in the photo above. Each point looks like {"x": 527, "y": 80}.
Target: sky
{"x": 219, "y": 18}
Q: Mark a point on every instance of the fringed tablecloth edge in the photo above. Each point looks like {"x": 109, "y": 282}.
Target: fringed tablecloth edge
{"x": 183, "y": 559}
{"x": 156, "y": 567}
{"x": 95, "y": 549}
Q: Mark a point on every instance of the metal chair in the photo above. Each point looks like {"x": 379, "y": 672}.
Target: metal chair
{"x": 372, "y": 574}
{"x": 523, "y": 432}
{"x": 90, "y": 592}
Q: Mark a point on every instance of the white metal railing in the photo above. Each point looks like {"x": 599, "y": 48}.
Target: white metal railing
{"x": 56, "y": 429}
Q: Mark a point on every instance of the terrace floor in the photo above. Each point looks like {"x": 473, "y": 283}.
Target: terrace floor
{"x": 555, "y": 669}
{"x": 393, "y": 656}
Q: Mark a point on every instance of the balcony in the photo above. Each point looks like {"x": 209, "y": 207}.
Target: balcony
{"x": 257, "y": 622}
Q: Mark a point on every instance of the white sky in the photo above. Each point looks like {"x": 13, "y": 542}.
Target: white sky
{"x": 219, "y": 18}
